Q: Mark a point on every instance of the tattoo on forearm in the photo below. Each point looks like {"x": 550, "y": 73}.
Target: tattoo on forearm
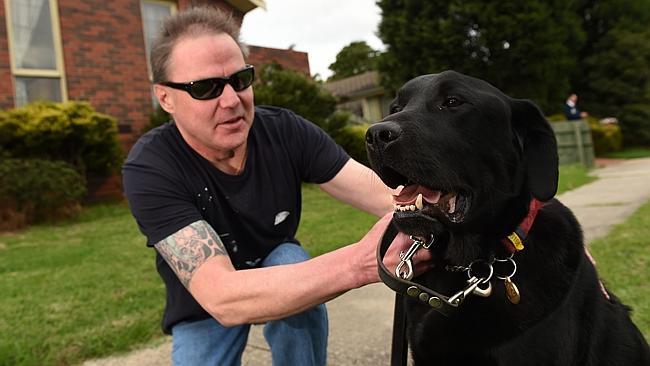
{"x": 187, "y": 249}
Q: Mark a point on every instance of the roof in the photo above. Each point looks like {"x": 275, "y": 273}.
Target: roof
{"x": 247, "y": 5}
{"x": 359, "y": 85}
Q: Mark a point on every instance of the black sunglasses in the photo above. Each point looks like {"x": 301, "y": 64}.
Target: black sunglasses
{"x": 213, "y": 87}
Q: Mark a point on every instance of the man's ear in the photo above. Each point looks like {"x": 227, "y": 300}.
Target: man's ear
{"x": 539, "y": 148}
{"x": 164, "y": 98}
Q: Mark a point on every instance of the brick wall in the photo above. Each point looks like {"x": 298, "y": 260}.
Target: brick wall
{"x": 289, "y": 59}
{"x": 6, "y": 83}
{"x": 105, "y": 61}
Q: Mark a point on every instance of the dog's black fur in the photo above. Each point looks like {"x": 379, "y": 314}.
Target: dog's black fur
{"x": 455, "y": 133}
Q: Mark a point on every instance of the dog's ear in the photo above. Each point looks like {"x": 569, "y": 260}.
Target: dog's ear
{"x": 537, "y": 140}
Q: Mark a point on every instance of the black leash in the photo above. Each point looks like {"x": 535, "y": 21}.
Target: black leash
{"x": 399, "y": 345}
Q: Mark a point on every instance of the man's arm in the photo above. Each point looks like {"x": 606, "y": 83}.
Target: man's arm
{"x": 199, "y": 259}
{"x": 360, "y": 187}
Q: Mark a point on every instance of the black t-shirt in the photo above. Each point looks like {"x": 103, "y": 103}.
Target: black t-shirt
{"x": 169, "y": 186}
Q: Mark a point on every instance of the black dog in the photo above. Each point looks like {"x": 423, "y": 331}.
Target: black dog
{"x": 476, "y": 166}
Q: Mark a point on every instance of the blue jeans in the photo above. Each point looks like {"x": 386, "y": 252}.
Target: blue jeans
{"x": 299, "y": 340}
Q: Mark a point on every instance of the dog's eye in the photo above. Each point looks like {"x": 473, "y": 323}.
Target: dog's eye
{"x": 452, "y": 102}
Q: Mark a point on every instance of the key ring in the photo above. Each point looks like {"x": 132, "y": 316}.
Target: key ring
{"x": 484, "y": 279}
{"x": 514, "y": 267}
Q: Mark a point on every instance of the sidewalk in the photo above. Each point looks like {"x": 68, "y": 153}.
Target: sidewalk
{"x": 361, "y": 320}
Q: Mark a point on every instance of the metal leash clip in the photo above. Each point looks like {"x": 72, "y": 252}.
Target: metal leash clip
{"x": 407, "y": 273}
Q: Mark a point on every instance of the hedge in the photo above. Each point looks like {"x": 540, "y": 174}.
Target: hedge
{"x": 72, "y": 132}
{"x": 34, "y": 190}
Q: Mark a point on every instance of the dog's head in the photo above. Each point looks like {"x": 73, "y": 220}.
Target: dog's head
{"x": 464, "y": 152}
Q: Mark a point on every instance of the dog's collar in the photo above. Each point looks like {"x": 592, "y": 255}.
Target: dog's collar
{"x": 439, "y": 302}
{"x": 515, "y": 241}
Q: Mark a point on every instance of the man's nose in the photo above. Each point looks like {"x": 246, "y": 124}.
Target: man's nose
{"x": 229, "y": 97}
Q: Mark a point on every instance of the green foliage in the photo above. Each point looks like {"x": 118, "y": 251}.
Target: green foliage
{"x": 35, "y": 190}
{"x": 635, "y": 124}
{"x": 522, "y": 47}
{"x": 157, "y": 118}
{"x": 617, "y": 72}
{"x": 606, "y": 138}
{"x": 71, "y": 131}
{"x": 354, "y": 59}
{"x": 352, "y": 137}
{"x": 612, "y": 78}
{"x": 297, "y": 92}
{"x": 630, "y": 153}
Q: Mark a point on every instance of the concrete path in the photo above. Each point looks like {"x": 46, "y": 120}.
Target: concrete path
{"x": 361, "y": 320}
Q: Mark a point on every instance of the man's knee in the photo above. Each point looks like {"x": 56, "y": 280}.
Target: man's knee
{"x": 286, "y": 253}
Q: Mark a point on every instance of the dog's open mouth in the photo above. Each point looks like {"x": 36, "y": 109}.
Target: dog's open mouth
{"x": 415, "y": 199}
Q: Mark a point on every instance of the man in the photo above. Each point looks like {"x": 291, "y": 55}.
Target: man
{"x": 217, "y": 193}
{"x": 571, "y": 111}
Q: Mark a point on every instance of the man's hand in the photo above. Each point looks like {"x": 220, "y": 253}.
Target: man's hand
{"x": 401, "y": 243}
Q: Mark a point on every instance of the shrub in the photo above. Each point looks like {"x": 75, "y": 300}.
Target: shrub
{"x": 157, "y": 118}
{"x": 605, "y": 137}
{"x": 352, "y": 138}
{"x": 71, "y": 131}
{"x": 34, "y": 190}
{"x": 635, "y": 125}
{"x": 292, "y": 90}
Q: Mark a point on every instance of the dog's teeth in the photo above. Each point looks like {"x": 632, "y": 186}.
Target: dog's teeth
{"x": 412, "y": 207}
{"x": 418, "y": 202}
{"x": 452, "y": 204}
{"x": 398, "y": 190}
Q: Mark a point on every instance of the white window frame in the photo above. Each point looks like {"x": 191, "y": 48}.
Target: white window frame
{"x": 59, "y": 72}
{"x": 172, "y": 10}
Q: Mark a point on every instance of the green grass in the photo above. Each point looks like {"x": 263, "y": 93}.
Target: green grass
{"x": 632, "y": 153}
{"x": 572, "y": 177}
{"x": 89, "y": 288}
{"x": 77, "y": 290}
{"x": 623, "y": 261}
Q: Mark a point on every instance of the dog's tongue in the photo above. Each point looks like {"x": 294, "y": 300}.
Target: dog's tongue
{"x": 408, "y": 194}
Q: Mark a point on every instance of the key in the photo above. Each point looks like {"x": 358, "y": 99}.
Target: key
{"x": 512, "y": 292}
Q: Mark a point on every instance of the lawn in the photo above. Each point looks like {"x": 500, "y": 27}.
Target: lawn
{"x": 630, "y": 153}
{"x": 88, "y": 288}
{"x": 623, "y": 261}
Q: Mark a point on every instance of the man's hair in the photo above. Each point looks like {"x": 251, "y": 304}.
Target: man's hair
{"x": 193, "y": 22}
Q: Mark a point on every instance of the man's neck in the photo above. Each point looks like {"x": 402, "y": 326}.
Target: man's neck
{"x": 231, "y": 162}
{"x": 228, "y": 161}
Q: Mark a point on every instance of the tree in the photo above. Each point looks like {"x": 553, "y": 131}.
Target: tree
{"x": 525, "y": 48}
{"x": 297, "y": 92}
{"x": 354, "y": 59}
{"x": 613, "y": 77}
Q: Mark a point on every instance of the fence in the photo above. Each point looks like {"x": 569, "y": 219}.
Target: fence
{"x": 574, "y": 142}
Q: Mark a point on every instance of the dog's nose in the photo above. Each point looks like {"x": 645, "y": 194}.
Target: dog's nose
{"x": 381, "y": 134}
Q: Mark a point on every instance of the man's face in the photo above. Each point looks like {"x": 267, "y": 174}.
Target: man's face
{"x": 215, "y": 126}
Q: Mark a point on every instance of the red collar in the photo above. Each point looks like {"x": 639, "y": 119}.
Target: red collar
{"x": 515, "y": 241}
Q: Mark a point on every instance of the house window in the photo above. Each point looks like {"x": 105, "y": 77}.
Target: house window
{"x": 35, "y": 47}
{"x": 154, "y": 13}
